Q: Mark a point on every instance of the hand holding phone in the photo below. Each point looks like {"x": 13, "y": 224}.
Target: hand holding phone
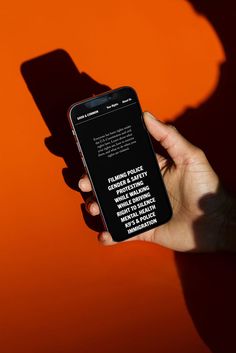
{"x": 117, "y": 153}
{"x": 203, "y": 211}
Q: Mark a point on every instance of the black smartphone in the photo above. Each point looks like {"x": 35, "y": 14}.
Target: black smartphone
{"x": 119, "y": 158}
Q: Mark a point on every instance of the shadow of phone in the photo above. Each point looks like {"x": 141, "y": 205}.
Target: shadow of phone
{"x": 55, "y": 83}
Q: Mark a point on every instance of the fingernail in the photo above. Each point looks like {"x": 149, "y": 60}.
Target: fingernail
{"x": 92, "y": 207}
{"x": 81, "y": 184}
{"x": 172, "y": 127}
{"x": 103, "y": 236}
{"x": 153, "y": 117}
{"x": 150, "y": 115}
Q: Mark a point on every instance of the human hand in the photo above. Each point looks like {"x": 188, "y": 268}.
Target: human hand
{"x": 199, "y": 202}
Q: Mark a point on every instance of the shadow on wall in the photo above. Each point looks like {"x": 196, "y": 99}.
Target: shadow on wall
{"x": 212, "y": 125}
{"x": 55, "y": 83}
{"x": 208, "y": 281}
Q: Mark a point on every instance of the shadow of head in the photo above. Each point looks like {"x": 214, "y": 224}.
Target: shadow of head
{"x": 212, "y": 125}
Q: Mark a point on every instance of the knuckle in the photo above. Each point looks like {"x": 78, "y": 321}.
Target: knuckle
{"x": 200, "y": 154}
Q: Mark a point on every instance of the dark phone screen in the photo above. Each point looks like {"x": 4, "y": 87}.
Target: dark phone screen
{"x": 121, "y": 163}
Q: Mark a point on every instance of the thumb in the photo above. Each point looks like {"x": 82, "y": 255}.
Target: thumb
{"x": 175, "y": 144}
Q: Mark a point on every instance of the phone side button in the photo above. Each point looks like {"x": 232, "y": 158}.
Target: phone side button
{"x": 77, "y": 143}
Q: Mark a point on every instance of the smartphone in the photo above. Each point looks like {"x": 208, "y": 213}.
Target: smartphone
{"x": 117, "y": 153}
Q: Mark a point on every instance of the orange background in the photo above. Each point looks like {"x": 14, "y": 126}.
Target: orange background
{"x": 60, "y": 290}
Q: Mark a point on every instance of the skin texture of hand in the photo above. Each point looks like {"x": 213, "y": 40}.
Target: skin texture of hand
{"x": 199, "y": 202}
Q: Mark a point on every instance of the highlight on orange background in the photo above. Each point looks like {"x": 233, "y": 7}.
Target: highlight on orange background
{"x": 170, "y": 53}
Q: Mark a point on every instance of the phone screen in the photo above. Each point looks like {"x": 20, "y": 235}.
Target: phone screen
{"x": 118, "y": 155}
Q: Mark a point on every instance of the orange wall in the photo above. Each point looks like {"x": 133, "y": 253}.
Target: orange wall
{"x": 60, "y": 290}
